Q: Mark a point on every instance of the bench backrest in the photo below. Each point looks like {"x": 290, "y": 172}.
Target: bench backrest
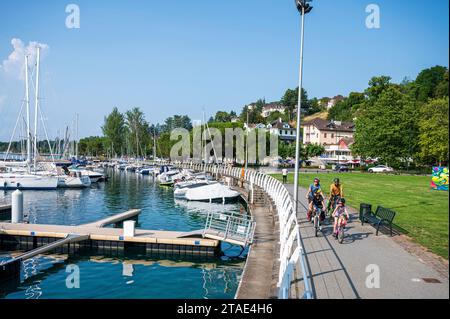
{"x": 385, "y": 213}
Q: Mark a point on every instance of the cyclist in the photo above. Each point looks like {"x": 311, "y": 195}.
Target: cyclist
{"x": 311, "y": 191}
{"x": 318, "y": 203}
{"x": 336, "y": 192}
{"x": 338, "y": 212}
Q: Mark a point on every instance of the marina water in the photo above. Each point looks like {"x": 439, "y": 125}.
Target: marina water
{"x": 133, "y": 275}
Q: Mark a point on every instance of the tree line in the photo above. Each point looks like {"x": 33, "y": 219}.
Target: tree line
{"x": 401, "y": 124}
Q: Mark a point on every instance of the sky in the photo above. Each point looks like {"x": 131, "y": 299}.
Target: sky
{"x": 180, "y": 57}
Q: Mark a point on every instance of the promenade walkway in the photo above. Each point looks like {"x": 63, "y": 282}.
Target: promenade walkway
{"x": 339, "y": 270}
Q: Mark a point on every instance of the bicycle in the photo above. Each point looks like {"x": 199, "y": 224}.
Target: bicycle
{"x": 340, "y": 230}
{"x": 316, "y": 220}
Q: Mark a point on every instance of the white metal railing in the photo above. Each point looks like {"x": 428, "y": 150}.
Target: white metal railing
{"x": 230, "y": 227}
{"x": 292, "y": 255}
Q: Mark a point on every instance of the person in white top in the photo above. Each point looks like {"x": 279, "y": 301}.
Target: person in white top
{"x": 285, "y": 173}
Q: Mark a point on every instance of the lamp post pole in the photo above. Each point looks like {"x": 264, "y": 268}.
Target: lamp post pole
{"x": 303, "y": 8}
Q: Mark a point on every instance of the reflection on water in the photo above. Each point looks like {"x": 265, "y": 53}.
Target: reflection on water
{"x": 130, "y": 276}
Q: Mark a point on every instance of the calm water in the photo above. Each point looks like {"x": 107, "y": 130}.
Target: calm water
{"x": 133, "y": 276}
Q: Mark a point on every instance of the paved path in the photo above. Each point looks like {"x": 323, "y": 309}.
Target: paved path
{"x": 339, "y": 270}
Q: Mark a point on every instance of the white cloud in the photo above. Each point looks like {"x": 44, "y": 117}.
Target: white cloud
{"x": 14, "y": 65}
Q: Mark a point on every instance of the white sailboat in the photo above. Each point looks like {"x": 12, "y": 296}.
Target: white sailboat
{"x": 21, "y": 180}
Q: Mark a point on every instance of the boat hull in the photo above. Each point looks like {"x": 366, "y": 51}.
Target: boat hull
{"x": 28, "y": 182}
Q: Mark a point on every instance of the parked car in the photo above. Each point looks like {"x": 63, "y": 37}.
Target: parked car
{"x": 341, "y": 168}
{"x": 380, "y": 169}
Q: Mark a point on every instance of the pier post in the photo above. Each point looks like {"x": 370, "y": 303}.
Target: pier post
{"x": 17, "y": 207}
{"x": 129, "y": 228}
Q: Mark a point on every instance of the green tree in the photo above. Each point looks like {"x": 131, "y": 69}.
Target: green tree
{"x": 139, "y": 136}
{"x": 346, "y": 109}
{"x": 114, "y": 130}
{"x": 222, "y": 116}
{"x": 386, "y": 126}
{"x": 433, "y": 131}
{"x": 274, "y": 116}
{"x": 432, "y": 83}
{"x": 177, "y": 121}
{"x": 290, "y": 101}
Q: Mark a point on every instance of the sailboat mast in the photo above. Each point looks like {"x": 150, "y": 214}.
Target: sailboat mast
{"x": 76, "y": 145}
{"x": 36, "y": 105}
{"x": 27, "y": 101}
{"x": 154, "y": 146}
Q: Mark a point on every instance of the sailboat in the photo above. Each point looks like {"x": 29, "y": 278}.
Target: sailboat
{"x": 18, "y": 179}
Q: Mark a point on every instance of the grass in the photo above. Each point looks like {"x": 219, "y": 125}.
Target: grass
{"x": 422, "y": 213}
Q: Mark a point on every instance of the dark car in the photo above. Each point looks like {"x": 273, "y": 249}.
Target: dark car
{"x": 341, "y": 168}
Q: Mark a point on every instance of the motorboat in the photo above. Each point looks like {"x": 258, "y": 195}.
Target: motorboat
{"x": 166, "y": 178}
{"x": 212, "y": 192}
{"x": 93, "y": 175}
{"x": 74, "y": 180}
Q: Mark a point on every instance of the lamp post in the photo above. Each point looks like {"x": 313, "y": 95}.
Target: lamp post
{"x": 303, "y": 7}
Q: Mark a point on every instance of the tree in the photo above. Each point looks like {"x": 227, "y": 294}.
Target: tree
{"x": 222, "y": 116}
{"x": 433, "y": 131}
{"x": 290, "y": 101}
{"x": 254, "y": 115}
{"x": 93, "y": 146}
{"x": 114, "y": 130}
{"x": 346, "y": 109}
{"x": 386, "y": 126}
{"x": 313, "y": 150}
{"x": 274, "y": 116}
{"x": 432, "y": 83}
{"x": 177, "y": 121}
{"x": 138, "y": 131}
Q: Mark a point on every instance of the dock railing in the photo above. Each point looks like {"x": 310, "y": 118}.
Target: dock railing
{"x": 230, "y": 227}
{"x": 292, "y": 255}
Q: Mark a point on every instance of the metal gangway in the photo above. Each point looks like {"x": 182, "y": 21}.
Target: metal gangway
{"x": 233, "y": 228}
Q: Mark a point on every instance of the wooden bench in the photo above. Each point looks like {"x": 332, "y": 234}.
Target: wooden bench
{"x": 381, "y": 216}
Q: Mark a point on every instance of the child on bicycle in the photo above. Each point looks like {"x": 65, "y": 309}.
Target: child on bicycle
{"x": 311, "y": 191}
{"x": 318, "y": 203}
{"x": 339, "y": 212}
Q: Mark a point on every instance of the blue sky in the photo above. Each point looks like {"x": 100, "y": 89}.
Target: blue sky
{"x": 178, "y": 57}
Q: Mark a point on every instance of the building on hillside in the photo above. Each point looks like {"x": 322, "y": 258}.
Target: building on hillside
{"x": 335, "y": 136}
{"x": 284, "y": 130}
{"x": 235, "y": 119}
{"x": 332, "y": 102}
{"x": 269, "y": 108}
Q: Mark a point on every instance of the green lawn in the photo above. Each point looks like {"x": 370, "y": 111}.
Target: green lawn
{"x": 421, "y": 212}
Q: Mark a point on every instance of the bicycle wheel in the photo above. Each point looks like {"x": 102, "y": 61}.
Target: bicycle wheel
{"x": 341, "y": 235}
{"x": 316, "y": 225}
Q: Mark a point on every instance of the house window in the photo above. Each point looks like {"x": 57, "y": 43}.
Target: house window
{"x": 325, "y": 135}
{"x": 332, "y": 135}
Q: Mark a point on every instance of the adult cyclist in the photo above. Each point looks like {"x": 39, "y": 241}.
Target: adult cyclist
{"x": 336, "y": 192}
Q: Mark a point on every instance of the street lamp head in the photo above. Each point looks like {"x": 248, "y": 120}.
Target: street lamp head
{"x": 303, "y": 6}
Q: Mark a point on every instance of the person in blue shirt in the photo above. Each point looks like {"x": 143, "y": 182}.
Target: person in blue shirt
{"x": 313, "y": 188}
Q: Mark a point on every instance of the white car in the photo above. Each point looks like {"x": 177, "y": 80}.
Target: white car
{"x": 380, "y": 169}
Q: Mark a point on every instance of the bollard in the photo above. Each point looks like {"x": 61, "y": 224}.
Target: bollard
{"x": 128, "y": 228}
{"x": 17, "y": 207}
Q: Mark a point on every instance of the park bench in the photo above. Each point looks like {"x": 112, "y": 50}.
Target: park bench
{"x": 381, "y": 216}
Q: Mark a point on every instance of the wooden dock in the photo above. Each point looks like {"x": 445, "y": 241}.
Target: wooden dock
{"x": 36, "y": 239}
